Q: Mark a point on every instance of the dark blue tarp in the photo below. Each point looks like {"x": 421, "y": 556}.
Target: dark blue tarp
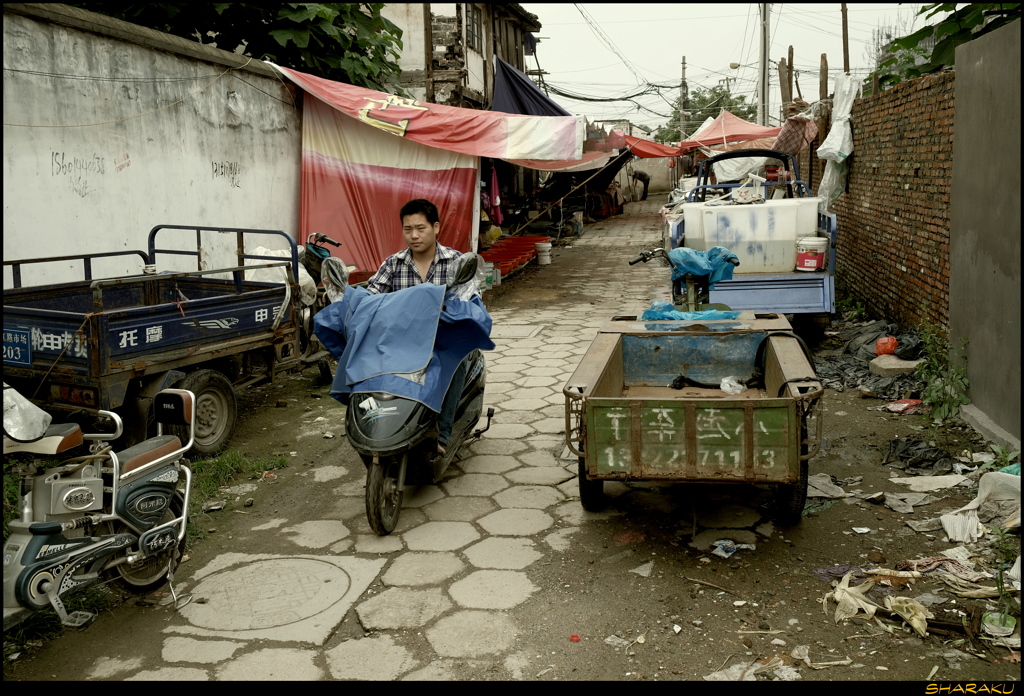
{"x": 515, "y": 93}
{"x": 379, "y": 339}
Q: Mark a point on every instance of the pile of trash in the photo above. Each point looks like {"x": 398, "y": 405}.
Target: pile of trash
{"x": 850, "y": 370}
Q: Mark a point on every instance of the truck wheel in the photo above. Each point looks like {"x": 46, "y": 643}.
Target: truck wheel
{"x": 216, "y": 412}
{"x": 591, "y": 492}
{"x": 790, "y": 499}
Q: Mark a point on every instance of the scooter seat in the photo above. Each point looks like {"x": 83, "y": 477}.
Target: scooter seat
{"x": 147, "y": 451}
{"x": 59, "y": 437}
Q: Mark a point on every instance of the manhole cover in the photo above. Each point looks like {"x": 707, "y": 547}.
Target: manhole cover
{"x": 267, "y": 594}
{"x": 513, "y": 331}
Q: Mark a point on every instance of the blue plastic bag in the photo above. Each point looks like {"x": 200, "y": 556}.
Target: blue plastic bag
{"x": 714, "y": 263}
{"x": 663, "y": 310}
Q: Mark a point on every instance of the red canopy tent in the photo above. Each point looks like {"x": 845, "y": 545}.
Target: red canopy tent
{"x": 727, "y": 128}
{"x": 648, "y": 148}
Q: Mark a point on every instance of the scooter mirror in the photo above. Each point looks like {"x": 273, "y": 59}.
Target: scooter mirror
{"x": 465, "y": 269}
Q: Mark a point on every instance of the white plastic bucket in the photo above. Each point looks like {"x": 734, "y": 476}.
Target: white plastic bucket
{"x": 543, "y": 254}
{"x": 810, "y": 253}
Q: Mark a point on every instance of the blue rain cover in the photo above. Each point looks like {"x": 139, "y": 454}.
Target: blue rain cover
{"x": 714, "y": 262}
{"x": 377, "y": 338}
{"x": 663, "y": 310}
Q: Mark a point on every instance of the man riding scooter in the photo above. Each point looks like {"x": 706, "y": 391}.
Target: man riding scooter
{"x": 410, "y": 367}
{"x": 424, "y": 261}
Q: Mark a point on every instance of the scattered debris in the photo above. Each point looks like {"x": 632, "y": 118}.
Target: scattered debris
{"x": 727, "y": 547}
{"x": 862, "y": 530}
{"x": 644, "y": 570}
{"x": 960, "y": 567}
{"x": 802, "y": 653}
{"x": 926, "y": 484}
{"x": 997, "y": 623}
{"x": 911, "y": 611}
{"x": 917, "y": 457}
{"x": 677, "y": 628}
{"x": 214, "y": 505}
{"x": 932, "y": 525}
{"x": 787, "y": 673}
{"x": 702, "y": 582}
{"x": 850, "y": 600}
{"x": 905, "y": 502}
{"x": 904, "y": 406}
{"x": 617, "y": 642}
{"x": 821, "y": 486}
{"x": 249, "y": 502}
{"x": 779, "y": 642}
{"x": 576, "y": 639}
{"x": 1001, "y": 489}
{"x": 328, "y": 436}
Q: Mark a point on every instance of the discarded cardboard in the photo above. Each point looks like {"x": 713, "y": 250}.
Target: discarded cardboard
{"x": 926, "y": 484}
{"x": 963, "y": 524}
{"x": 821, "y": 486}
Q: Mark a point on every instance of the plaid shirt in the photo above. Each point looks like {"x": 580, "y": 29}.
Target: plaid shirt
{"x": 399, "y": 271}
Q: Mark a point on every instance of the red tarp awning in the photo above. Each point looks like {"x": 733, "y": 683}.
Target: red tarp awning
{"x": 727, "y": 128}
{"x": 649, "y": 148}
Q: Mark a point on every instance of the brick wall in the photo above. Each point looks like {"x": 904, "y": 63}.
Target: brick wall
{"x": 894, "y": 221}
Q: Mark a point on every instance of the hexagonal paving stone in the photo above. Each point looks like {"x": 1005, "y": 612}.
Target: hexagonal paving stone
{"x": 535, "y": 497}
{"x": 488, "y": 464}
{"x": 510, "y": 430}
{"x": 549, "y": 425}
{"x": 420, "y": 496}
{"x": 441, "y": 536}
{"x": 489, "y": 445}
{"x": 509, "y": 415}
{"x": 422, "y": 569}
{"x": 459, "y": 509}
{"x": 475, "y": 484}
{"x": 503, "y": 553}
{"x": 366, "y": 659}
{"x": 516, "y": 522}
{"x": 562, "y": 339}
{"x": 516, "y": 404}
{"x": 472, "y": 634}
{"x": 547, "y": 362}
{"x": 536, "y": 381}
{"x": 403, "y": 607}
{"x": 539, "y": 458}
{"x": 540, "y": 475}
{"x": 533, "y": 393}
{"x": 492, "y": 589}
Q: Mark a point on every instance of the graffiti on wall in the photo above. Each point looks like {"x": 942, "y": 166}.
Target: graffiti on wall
{"x": 77, "y": 170}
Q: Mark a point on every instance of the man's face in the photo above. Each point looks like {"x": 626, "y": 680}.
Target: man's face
{"x": 419, "y": 234}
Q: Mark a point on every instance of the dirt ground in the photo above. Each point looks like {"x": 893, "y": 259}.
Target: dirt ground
{"x": 695, "y": 614}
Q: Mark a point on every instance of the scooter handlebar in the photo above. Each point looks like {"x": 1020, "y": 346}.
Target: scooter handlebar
{"x": 638, "y": 259}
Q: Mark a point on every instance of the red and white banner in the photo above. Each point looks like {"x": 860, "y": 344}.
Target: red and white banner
{"x": 471, "y": 132}
{"x": 355, "y": 179}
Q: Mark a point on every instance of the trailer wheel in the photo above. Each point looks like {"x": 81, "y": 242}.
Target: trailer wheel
{"x": 790, "y": 499}
{"x": 216, "y": 412}
{"x": 591, "y": 491}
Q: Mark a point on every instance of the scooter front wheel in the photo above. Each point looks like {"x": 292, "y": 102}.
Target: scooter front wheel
{"x": 384, "y": 494}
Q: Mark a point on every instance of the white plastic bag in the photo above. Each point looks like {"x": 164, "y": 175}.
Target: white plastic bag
{"x": 23, "y": 420}
{"x": 730, "y": 385}
{"x": 307, "y": 288}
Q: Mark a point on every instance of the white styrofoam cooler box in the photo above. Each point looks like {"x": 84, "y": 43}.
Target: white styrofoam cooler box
{"x": 762, "y": 235}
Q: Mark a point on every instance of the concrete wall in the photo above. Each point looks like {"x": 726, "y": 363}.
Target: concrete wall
{"x": 121, "y": 128}
{"x": 984, "y": 292}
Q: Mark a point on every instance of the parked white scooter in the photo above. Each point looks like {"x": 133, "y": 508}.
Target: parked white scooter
{"x": 104, "y": 515}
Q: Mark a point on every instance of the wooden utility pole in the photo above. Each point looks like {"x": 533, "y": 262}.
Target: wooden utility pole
{"x": 684, "y": 103}
{"x": 846, "y": 43}
{"x": 762, "y": 84}
{"x": 784, "y": 82}
{"x": 823, "y": 78}
{"x": 789, "y": 77}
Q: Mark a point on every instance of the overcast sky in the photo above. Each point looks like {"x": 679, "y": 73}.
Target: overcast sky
{"x": 653, "y": 38}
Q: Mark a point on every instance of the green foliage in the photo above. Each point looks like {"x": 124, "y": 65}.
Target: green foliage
{"x": 1006, "y": 547}
{"x": 210, "y": 475}
{"x": 705, "y": 102}
{"x": 1004, "y": 457}
{"x": 347, "y": 42}
{"x": 910, "y": 59}
{"x": 943, "y": 373}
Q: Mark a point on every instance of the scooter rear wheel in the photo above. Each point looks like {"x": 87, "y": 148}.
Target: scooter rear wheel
{"x": 383, "y": 495}
{"x": 151, "y": 572}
